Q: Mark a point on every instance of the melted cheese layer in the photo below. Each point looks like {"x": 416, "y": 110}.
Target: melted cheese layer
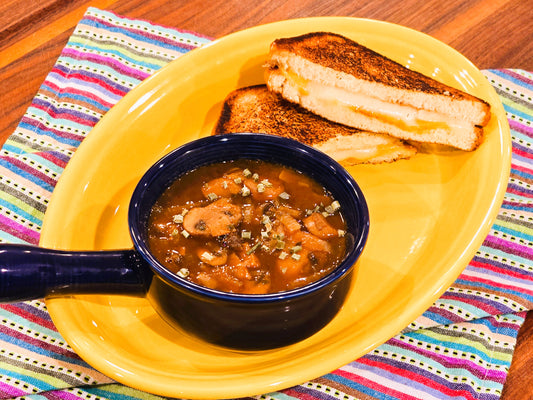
{"x": 355, "y": 155}
{"x": 404, "y": 117}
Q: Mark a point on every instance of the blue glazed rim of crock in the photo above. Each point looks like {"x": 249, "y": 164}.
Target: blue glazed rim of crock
{"x": 211, "y": 149}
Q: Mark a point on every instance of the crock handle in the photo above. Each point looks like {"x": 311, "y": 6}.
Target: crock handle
{"x": 30, "y": 272}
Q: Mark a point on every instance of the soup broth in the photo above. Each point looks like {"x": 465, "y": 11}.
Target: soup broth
{"x": 247, "y": 226}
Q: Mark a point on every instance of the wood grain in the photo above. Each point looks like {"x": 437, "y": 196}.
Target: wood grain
{"x": 491, "y": 33}
{"x": 519, "y": 383}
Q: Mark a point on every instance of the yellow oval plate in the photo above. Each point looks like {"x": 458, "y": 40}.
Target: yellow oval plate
{"x": 428, "y": 215}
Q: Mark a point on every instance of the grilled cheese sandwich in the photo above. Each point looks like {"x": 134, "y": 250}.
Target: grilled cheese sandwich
{"x": 256, "y": 109}
{"x": 350, "y": 84}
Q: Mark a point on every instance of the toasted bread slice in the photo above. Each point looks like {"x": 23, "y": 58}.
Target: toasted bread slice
{"x": 256, "y": 109}
{"x": 348, "y": 83}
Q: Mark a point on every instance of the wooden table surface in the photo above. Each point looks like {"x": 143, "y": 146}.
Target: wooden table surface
{"x": 491, "y": 33}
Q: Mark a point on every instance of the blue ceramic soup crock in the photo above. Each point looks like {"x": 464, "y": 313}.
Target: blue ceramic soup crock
{"x": 240, "y": 321}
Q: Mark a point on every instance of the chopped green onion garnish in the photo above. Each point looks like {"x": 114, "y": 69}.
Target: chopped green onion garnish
{"x": 295, "y": 256}
{"x": 178, "y": 219}
{"x": 335, "y": 205}
{"x": 314, "y": 210}
{"x": 246, "y": 234}
{"x": 254, "y": 248}
{"x": 283, "y": 255}
{"x": 284, "y": 195}
{"x": 255, "y": 177}
{"x": 183, "y": 273}
{"x": 260, "y": 187}
{"x": 212, "y": 196}
{"x": 238, "y": 181}
{"x": 247, "y": 172}
{"x": 245, "y": 191}
{"x": 185, "y": 233}
{"x": 296, "y": 248}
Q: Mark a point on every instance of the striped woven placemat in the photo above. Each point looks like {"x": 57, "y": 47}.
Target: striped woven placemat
{"x": 461, "y": 347}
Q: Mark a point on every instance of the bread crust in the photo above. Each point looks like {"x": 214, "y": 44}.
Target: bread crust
{"x": 256, "y": 109}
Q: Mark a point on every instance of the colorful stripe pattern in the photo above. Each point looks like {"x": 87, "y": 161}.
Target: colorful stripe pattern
{"x": 461, "y": 347}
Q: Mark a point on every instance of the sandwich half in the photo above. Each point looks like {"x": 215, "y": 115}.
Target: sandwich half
{"x": 256, "y": 109}
{"x": 343, "y": 81}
